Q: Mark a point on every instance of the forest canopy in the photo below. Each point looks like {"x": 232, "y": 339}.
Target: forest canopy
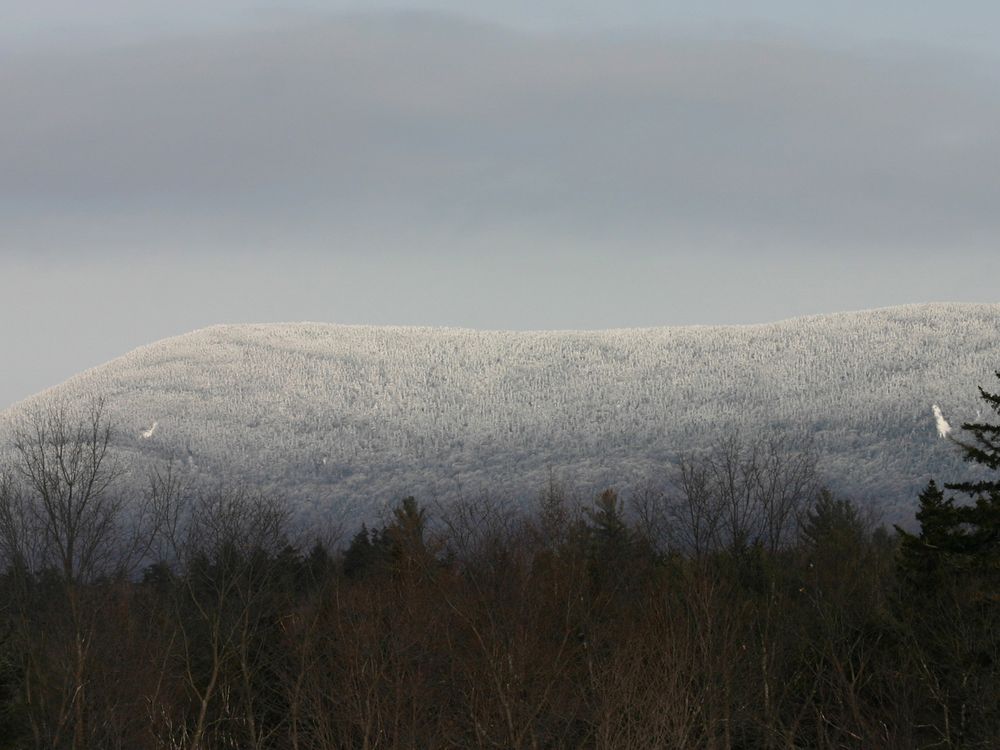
{"x": 746, "y": 605}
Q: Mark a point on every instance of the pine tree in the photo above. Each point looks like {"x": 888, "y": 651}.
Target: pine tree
{"x": 833, "y": 524}
{"x": 835, "y": 540}
{"x": 360, "y": 555}
{"x": 317, "y": 564}
{"x": 407, "y": 546}
{"x": 926, "y": 557}
{"x": 962, "y": 538}
{"x": 610, "y": 539}
{"x": 409, "y": 521}
{"x": 979, "y": 523}
{"x": 950, "y": 572}
{"x": 984, "y": 448}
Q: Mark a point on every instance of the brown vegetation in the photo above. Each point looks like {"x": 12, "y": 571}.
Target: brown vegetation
{"x": 739, "y": 607}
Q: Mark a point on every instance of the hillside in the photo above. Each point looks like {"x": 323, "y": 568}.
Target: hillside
{"x": 342, "y": 419}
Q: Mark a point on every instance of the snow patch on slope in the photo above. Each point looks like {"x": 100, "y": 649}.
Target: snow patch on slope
{"x": 943, "y": 428}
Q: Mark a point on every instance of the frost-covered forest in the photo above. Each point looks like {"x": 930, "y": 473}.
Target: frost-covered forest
{"x": 345, "y": 419}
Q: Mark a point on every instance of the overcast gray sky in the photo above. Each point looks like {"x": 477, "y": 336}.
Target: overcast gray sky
{"x": 169, "y": 165}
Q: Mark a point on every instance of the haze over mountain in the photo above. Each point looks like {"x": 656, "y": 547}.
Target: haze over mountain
{"x": 343, "y": 419}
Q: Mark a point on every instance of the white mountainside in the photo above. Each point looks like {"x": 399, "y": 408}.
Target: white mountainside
{"x": 342, "y": 419}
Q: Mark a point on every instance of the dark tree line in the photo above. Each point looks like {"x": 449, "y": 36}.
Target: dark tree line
{"x": 741, "y": 606}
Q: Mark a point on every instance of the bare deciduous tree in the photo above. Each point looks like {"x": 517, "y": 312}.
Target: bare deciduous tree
{"x": 64, "y": 516}
{"x": 227, "y": 544}
{"x": 741, "y": 494}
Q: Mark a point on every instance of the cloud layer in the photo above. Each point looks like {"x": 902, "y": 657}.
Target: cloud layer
{"x": 424, "y": 169}
{"x": 367, "y": 131}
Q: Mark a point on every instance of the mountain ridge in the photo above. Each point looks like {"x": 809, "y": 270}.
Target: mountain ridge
{"x": 343, "y": 418}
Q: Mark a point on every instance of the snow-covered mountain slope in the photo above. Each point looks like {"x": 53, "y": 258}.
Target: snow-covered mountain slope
{"x": 342, "y": 419}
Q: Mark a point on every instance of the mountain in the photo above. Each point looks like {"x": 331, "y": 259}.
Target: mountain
{"x": 342, "y": 419}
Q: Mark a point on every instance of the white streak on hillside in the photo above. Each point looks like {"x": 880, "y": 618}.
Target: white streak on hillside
{"x": 943, "y": 428}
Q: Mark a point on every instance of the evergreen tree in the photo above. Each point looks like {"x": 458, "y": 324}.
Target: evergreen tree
{"x": 962, "y": 538}
{"x": 619, "y": 560}
{"x": 950, "y": 572}
{"x": 984, "y": 448}
{"x": 835, "y": 540}
{"x": 610, "y": 539}
{"x": 978, "y": 525}
{"x": 360, "y": 555}
{"x": 404, "y": 538}
{"x": 317, "y": 564}
{"x": 833, "y": 523}
{"x": 926, "y": 555}
{"x": 409, "y": 522}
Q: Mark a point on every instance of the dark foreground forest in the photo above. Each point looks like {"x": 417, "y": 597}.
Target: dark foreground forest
{"x": 743, "y": 606}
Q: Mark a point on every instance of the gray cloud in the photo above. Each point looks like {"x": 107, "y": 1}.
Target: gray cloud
{"x": 420, "y": 169}
{"x": 363, "y": 132}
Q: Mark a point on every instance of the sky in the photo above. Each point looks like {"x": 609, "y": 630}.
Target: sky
{"x": 165, "y": 166}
